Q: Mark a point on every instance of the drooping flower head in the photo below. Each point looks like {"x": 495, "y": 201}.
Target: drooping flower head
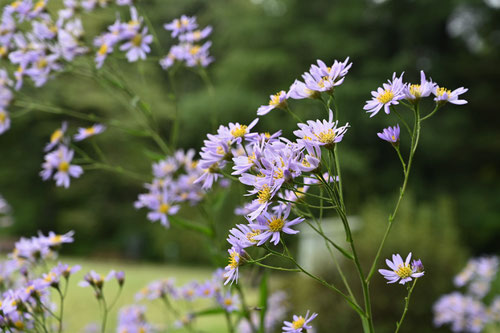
{"x": 232, "y": 269}
{"x": 57, "y": 136}
{"x": 401, "y": 271}
{"x": 389, "y": 94}
{"x": 390, "y": 134}
{"x": 276, "y": 101}
{"x": 84, "y": 133}
{"x": 4, "y": 121}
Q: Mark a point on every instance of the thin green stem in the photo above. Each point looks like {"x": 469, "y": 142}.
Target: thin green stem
{"x": 297, "y": 118}
{"x": 407, "y": 302}
{"x": 230, "y": 327}
{"x": 438, "y": 106}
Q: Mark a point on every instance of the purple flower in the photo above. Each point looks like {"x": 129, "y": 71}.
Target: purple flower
{"x": 243, "y": 236}
{"x": 299, "y": 90}
{"x": 390, "y": 134}
{"x": 196, "y": 35}
{"x": 138, "y": 46}
{"x": 444, "y": 95}
{"x": 384, "y": 97}
{"x": 59, "y": 161}
{"x": 272, "y": 225}
{"x": 299, "y": 323}
{"x": 57, "y": 136}
{"x": 322, "y": 78}
{"x": 232, "y": 269}
{"x": 400, "y": 271}
{"x": 277, "y": 100}
{"x": 84, "y": 133}
{"x": 228, "y": 302}
{"x": 413, "y": 92}
{"x": 4, "y": 121}
{"x": 321, "y": 133}
{"x": 181, "y": 25}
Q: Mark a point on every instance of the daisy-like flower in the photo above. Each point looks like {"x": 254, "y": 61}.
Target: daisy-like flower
{"x": 272, "y": 225}
{"x": 401, "y": 270}
{"x": 4, "y": 121}
{"x": 390, "y": 134}
{"x": 60, "y": 160}
{"x": 57, "y": 136}
{"x": 384, "y": 97}
{"x": 232, "y": 269}
{"x": 84, "y": 133}
{"x": 277, "y": 100}
{"x": 299, "y": 323}
{"x": 54, "y": 239}
{"x": 181, "y": 25}
{"x": 444, "y": 95}
{"x": 321, "y": 133}
{"x": 138, "y": 46}
{"x": 228, "y": 302}
{"x": 299, "y": 90}
{"x": 240, "y": 132}
{"x": 413, "y": 92}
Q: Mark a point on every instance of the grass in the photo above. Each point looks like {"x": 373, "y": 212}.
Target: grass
{"x": 81, "y": 307}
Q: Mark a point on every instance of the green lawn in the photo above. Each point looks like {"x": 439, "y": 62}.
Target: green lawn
{"x": 82, "y": 308}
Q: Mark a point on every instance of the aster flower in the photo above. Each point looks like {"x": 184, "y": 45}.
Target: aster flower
{"x": 181, "y": 25}
{"x": 277, "y": 100}
{"x": 232, "y": 269}
{"x": 322, "y": 78}
{"x": 57, "y": 136}
{"x": 138, "y": 46}
{"x": 228, "y": 302}
{"x": 54, "y": 240}
{"x": 390, "y": 134}
{"x": 160, "y": 204}
{"x": 84, "y": 133}
{"x": 272, "y": 225}
{"x": 299, "y": 90}
{"x": 239, "y": 132}
{"x": 400, "y": 271}
{"x": 384, "y": 97}
{"x": 299, "y": 323}
{"x": 321, "y": 133}
{"x": 413, "y": 92}
{"x": 444, "y": 95}
{"x": 59, "y": 161}
{"x": 4, "y": 121}
{"x": 243, "y": 236}
{"x": 196, "y": 35}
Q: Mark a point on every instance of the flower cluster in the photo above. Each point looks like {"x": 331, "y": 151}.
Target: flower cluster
{"x": 6, "y": 96}
{"x": 174, "y": 182}
{"x": 468, "y": 312}
{"x": 395, "y": 90}
{"x": 26, "y": 295}
{"x": 132, "y": 36}
{"x": 59, "y": 156}
{"x": 189, "y": 50}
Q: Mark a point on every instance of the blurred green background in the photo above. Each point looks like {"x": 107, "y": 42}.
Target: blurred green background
{"x": 261, "y": 47}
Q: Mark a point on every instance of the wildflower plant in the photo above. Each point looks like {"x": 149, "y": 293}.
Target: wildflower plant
{"x": 284, "y": 178}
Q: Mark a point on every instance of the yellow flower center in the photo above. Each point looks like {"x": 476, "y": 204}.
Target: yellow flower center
{"x": 3, "y": 116}
{"x": 195, "y": 49}
{"x": 275, "y": 100}
{"x": 89, "y": 131}
{"x": 393, "y": 138}
{"x": 441, "y": 91}
{"x": 15, "y": 4}
{"x": 239, "y": 131}
{"x": 298, "y": 323}
{"x": 278, "y": 174}
{"x": 251, "y": 235}
{"x": 305, "y": 163}
{"x": 164, "y": 208}
{"x": 276, "y": 224}
{"x": 39, "y": 5}
{"x": 19, "y": 325}
{"x": 103, "y": 50}
{"x": 50, "y": 277}
{"x": 386, "y": 96}
{"x": 64, "y": 166}
{"x": 197, "y": 34}
{"x": 327, "y": 136}
{"x": 234, "y": 260}
{"x": 3, "y": 51}
{"x": 137, "y": 40}
{"x": 264, "y": 194}
{"x": 404, "y": 271}
{"x": 56, "y": 136}
{"x": 29, "y": 289}
{"x": 415, "y": 90}
{"x": 56, "y": 238}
